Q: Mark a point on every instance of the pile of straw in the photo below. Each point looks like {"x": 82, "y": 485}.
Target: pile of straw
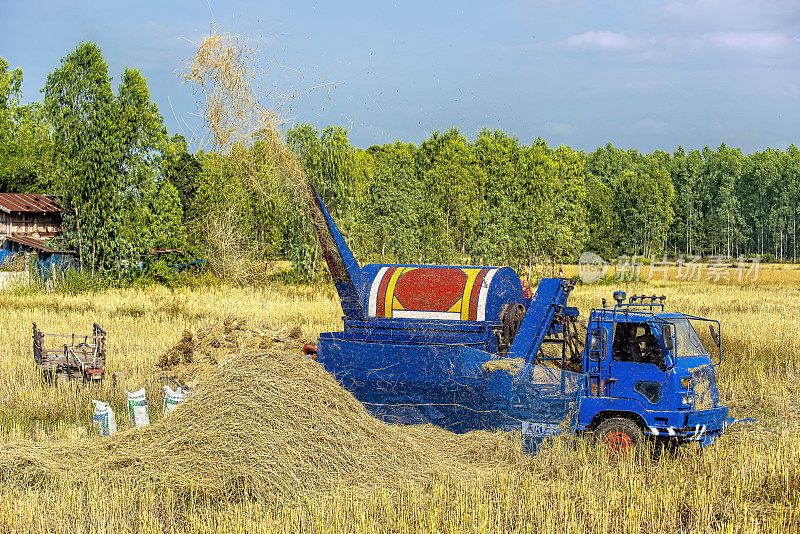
{"x": 196, "y": 355}
{"x": 511, "y": 366}
{"x": 266, "y": 422}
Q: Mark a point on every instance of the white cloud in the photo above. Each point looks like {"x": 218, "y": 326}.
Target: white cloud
{"x": 751, "y": 42}
{"x": 600, "y": 40}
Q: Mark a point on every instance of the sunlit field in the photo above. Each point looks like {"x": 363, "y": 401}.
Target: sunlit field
{"x": 749, "y": 481}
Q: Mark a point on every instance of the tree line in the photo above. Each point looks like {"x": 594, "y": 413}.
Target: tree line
{"x": 127, "y": 187}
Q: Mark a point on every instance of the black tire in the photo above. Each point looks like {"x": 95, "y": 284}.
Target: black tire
{"x": 619, "y": 435}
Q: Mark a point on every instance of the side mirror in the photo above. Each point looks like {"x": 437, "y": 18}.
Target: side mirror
{"x": 595, "y": 345}
{"x": 669, "y": 339}
{"x": 714, "y": 335}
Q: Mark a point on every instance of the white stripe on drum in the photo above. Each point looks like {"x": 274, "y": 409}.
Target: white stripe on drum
{"x": 484, "y": 293}
{"x": 414, "y": 314}
{"x": 373, "y": 292}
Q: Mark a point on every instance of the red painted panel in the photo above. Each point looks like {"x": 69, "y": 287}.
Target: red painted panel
{"x": 430, "y": 289}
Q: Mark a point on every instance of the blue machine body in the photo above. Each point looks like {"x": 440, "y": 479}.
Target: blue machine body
{"x": 463, "y": 348}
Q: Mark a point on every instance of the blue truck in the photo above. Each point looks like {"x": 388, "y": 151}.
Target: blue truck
{"x": 462, "y": 347}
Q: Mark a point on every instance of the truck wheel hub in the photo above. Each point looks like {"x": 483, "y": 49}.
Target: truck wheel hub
{"x": 618, "y": 441}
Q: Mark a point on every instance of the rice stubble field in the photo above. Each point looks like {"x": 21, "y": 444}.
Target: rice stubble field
{"x": 270, "y": 443}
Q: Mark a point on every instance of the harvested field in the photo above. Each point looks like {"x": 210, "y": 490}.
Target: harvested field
{"x": 270, "y": 443}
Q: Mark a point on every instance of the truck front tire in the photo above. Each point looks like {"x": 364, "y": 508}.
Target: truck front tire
{"x": 621, "y": 436}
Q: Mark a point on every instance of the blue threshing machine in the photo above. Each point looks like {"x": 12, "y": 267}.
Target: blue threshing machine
{"x": 463, "y": 348}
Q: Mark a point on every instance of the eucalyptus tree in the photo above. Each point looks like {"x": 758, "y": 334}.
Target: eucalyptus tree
{"x": 25, "y": 146}
{"x": 393, "y": 214}
{"x": 500, "y": 157}
{"x": 454, "y": 184}
{"x": 106, "y": 148}
{"x": 725, "y": 223}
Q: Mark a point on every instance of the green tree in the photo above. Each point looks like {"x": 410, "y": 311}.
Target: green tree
{"x": 601, "y": 222}
{"x": 454, "y": 185}
{"x": 643, "y": 205}
{"x": 165, "y": 216}
{"x": 792, "y": 177}
{"x": 183, "y": 170}
{"x": 107, "y": 148}
{"x": 499, "y": 156}
{"x": 687, "y": 175}
{"x": 725, "y": 224}
{"x": 549, "y": 196}
{"x": 25, "y": 147}
{"x": 395, "y": 196}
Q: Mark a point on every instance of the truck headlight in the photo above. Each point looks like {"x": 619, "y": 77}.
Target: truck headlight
{"x": 686, "y": 383}
{"x": 686, "y": 399}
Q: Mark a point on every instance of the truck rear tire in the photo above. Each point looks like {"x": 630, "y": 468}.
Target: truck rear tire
{"x": 621, "y": 436}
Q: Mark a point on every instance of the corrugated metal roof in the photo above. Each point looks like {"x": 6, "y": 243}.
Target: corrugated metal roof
{"x": 29, "y": 203}
{"x": 38, "y": 244}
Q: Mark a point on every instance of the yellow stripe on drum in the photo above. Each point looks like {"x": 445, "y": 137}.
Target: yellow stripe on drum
{"x": 471, "y": 275}
{"x": 390, "y": 289}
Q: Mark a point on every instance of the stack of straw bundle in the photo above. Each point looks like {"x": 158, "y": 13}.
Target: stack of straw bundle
{"x": 266, "y": 422}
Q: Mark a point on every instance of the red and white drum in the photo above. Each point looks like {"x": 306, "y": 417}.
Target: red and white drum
{"x": 433, "y": 292}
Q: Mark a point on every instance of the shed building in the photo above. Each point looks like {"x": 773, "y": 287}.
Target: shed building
{"x": 27, "y": 223}
{"x": 31, "y": 215}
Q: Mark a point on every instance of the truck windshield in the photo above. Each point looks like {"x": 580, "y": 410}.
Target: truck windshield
{"x": 687, "y": 344}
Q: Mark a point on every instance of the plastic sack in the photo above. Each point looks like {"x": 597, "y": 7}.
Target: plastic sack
{"x": 138, "y": 410}
{"x": 103, "y": 418}
{"x": 173, "y": 398}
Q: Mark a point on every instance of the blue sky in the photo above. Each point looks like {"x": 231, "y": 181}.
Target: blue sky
{"x": 640, "y": 74}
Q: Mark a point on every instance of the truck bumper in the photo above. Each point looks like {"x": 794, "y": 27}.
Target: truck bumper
{"x": 703, "y": 427}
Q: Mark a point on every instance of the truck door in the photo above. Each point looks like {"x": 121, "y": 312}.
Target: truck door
{"x": 637, "y": 367}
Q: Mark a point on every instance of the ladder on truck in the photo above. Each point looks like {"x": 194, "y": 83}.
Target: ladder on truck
{"x": 548, "y": 320}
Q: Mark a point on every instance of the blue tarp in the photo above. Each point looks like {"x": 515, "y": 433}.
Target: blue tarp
{"x": 456, "y": 387}
{"x": 47, "y": 263}
{"x": 183, "y": 266}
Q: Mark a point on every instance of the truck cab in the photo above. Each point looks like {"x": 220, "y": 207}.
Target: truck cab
{"x": 649, "y": 374}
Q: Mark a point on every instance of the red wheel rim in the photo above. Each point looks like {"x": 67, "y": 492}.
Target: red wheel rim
{"x": 618, "y": 441}
{"x": 310, "y": 350}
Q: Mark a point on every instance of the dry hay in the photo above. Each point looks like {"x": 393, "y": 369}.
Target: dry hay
{"x": 703, "y": 388}
{"x": 196, "y": 355}
{"x": 510, "y": 365}
{"x": 248, "y": 154}
{"x": 266, "y": 422}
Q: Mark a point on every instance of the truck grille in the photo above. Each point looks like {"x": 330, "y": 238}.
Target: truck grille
{"x": 706, "y": 394}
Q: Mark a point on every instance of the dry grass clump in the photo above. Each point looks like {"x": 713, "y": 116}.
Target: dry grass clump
{"x": 183, "y": 352}
{"x": 266, "y": 422}
{"x": 510, "y": 365}
{"x": 249, "y": 159}
{"x": 238, "y": 107}
{"x": 196, "y": 355}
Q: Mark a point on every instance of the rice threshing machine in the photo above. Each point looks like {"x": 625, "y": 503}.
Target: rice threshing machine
{"x": 463, "y": 348}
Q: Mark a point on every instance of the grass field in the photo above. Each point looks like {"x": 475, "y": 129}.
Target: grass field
{"x": 748, "y": 482}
